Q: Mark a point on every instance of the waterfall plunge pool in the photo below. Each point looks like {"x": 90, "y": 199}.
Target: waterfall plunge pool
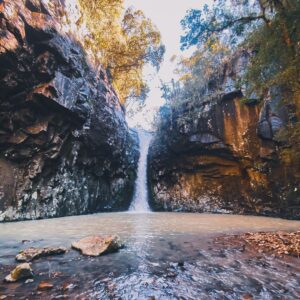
{"x": 167, "y": 256}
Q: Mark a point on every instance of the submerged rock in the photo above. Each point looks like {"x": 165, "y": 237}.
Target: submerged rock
{"x": 247, "y": 296}
{"x": 98, "y": 245}
{"x": 35, "y": 253}
{"x": 22, "y": 271}
{"x": 45, "y": 286}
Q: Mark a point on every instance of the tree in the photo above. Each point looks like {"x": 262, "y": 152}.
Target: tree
{"x": 265, "y": 26}
{"x": 123, "y": 42}
{"x": 195, "y": 75}
{"x": 234, "y": 18}
{"x": 271, "y": 29}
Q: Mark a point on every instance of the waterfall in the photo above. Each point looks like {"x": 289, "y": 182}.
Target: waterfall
{"x": 140, "y": 199}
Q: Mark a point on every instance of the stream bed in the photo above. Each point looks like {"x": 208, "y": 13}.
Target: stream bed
{"x": 167, "y": 256}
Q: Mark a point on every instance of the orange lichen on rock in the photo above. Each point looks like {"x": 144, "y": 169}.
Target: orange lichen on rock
{"x": 275, "y": 243}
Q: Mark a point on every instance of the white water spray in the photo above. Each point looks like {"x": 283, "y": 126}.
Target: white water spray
{"x": 140, "y": 200}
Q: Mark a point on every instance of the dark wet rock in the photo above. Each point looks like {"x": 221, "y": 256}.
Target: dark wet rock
{"x": 30, "y": 254}
{"x": 98, "y": 245}
{"x": 221, "y": 155}
{"x": 180, "y": 263}
{"x": 22, "y": 271}
{"x": 45, "y": 286}
{"x": 65, "y": 145}
{"x": 26, "y": 241}
{"x": 273, "y": 115}
{"x": 171, "y": 274}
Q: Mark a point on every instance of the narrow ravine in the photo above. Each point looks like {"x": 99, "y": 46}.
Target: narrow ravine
{"x": 141, "y": 196}
{"x": 149, "y": 150}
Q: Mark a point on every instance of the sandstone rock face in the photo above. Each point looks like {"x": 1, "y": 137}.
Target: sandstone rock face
{"x": 65, "y": 147}
{"x": 221, "y": 155}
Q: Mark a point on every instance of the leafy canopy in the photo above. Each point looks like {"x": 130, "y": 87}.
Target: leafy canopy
{"x": 123, "y": 42}
{"x": 264, "y": 26}
{"x": 231, "y": 19}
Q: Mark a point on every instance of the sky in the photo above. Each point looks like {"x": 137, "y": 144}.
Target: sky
{"x": 166, "y": 15}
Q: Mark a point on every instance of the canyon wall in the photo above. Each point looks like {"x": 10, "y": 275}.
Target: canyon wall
{"x": 221, "y": 154}
{"x": 65, "y": 145}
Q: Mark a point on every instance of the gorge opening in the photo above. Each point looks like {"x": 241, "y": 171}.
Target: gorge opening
{"x": 207, "y": 206}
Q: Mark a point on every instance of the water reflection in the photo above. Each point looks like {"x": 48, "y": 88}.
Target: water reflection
{"x": 168, "y": 256}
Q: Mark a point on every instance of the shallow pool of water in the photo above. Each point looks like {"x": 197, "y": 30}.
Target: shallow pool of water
{"x": 167, "y": 256}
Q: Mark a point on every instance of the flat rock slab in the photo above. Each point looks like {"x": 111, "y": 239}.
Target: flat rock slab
{"x": 34, "y": 253}
{"x": 21, "y": 271}
{"x": 98, "y": 245}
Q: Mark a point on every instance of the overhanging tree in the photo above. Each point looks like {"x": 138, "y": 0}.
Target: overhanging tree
{"x": 123, "y": 42}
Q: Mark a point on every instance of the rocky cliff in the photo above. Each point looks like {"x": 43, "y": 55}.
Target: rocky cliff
{"x": 65, "y": 145}
{"x": 221, "y": 154}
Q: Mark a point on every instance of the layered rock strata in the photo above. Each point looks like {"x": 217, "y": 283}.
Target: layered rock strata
{"x": 221, "y": 155}
{"x": 65, "y": 147}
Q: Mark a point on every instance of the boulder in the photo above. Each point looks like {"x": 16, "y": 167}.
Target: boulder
{"x": 98, "y": 245}
{"x": 30, "y": 254}
{"x": 22, "y": 271}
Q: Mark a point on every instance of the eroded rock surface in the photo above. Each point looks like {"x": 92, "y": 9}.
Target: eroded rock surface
{"x": 35, "y": 253}
{"x": 21, "y": 271}
{"x": 221, "y": 155}
{"x": 65, "y": 147}
{"x": 98, "y": 245}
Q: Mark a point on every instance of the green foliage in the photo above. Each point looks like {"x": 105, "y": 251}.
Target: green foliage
{"x": 230, "y": 20}
{"x": 197, "y": 74}
{"x": 277, "y": 63}
{"x": 249, "y": 101}
{"x": 276, "y": 47}
{"x": 225, "y": 17}
{"x": 123, "y": 42}
{"x": 270, "y": 30}
{"x": 289, "y": 137}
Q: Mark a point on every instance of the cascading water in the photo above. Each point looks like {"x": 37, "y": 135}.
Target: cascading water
{"x": 140, "y": 200}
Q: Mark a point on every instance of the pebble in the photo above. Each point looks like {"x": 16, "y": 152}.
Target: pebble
{"x": 45, "y": 286}
{"x": 70, "y": 286}
{"x": 247, "y": 296}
